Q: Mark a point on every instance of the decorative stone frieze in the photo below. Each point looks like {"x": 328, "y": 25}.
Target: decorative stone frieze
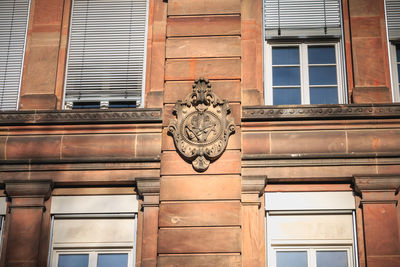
{"x": 81, "y": 116}
{"x": 257, "y": 113}
{"x": 202, "y": 126}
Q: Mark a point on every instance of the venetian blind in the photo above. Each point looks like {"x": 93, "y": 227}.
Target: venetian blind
{"x": 106, "y": 50}
{"x": 13, "y": 22}
{"x": 393, "y": 18}
{"x": 301, "y": 17}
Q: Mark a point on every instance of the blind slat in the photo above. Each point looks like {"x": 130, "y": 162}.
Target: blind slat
{"x": 106, "y": 50}
{"x": 13, "y": 23}
{"x": 295, "y": 16}
{"x": 393, "y": 18}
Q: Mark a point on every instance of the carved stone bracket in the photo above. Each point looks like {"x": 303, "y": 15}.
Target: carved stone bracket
{"x": 202, "y": 126}
{"x": 149, "y": 189}
{"x": 377, "y": 188}
{"x": 252, "y": 189}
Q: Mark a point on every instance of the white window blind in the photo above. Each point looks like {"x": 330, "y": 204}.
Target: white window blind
{"x": 393, "y": 18}
{"x": 302, "y": 18}
{"x": 13, "y": 23}
{"x": 106, "y": 50}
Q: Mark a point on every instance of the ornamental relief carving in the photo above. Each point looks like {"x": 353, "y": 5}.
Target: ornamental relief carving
{"x": 202, "y": 126}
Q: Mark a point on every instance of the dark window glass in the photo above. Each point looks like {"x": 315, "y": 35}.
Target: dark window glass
{"x": 73, "y": 260}
{"x": 331, "y": 259}
{"x": 287, "y": 96}
{"x": 112, "y": 260}
{"x": 286, "y": 76}
{"x": 398, "y": 72}
{"x": 398, "y": 53}
{"x": 285, "y": 56}
{"x": 323, "y": 95}
{"x": 321, "y": 55}
{"x": 291, "y": 259}
{"x": 323, "y": 75}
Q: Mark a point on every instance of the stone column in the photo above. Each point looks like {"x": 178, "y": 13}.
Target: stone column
{"x": 149, "y": 190}
{"x": 253, "y": 222}
{"x": 26, "y": 215}
{"x": 381, "y": 226}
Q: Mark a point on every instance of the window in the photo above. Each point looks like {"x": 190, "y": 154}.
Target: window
{"x": 105, "y": 65}
{"x": 93, "y": 231}
{"x": 13, "y": 26}
{"x": 311, "y": 229}
{"x": 3, "y": 209}
{"x": 303, "y": 52}
{"x": 393, "y": 26}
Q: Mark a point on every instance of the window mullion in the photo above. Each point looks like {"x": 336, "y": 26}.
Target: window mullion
{"x": 312, "y": 258}
{"x": 305, "y": 86}
{"x": 339, "y": 75}
{"x": 268, "y": 82}
{"x": 93, "y": 259}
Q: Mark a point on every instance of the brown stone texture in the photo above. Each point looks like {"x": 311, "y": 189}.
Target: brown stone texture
{"x": 387, "y": 140}
{"x": 33, "y": 147}
{"x": 191, "y": 69}
{"x": 203, "y": 26}
{"x": 192, "y": 47}
{"x": 189, "y": 7}
{"x": 178, "y": 90}
{"x": 200, "y": 261}
{"x": 381, "y": 234}
{"x": 173, "y": 164}
{"x": 202, "y": 187}
{"x": 149, "y": 237}
{"x": 199, "y": 240}
{"x": 368, "y": 37}
{"x": 41, "y": 56}
{"x": 200, "y": 214}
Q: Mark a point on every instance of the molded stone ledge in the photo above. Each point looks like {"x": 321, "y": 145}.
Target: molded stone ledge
{"x": 320, "y": 112}
{"x": 36, "y": 189}
{"x": 377, "y": 188}
{"x": 139, "y": 115}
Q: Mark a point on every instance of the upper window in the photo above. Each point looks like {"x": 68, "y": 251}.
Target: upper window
{"x": 303, "y": 52}
{"x": 105, "y": 65}
{"x": 393, "y": 25}
{"x": 13, "y": 24}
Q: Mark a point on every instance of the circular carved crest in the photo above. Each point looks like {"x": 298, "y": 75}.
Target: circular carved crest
{"x": 202, "y": 126}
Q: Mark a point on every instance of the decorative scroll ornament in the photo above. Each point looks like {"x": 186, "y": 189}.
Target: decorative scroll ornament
{"x": 201, "y": 129}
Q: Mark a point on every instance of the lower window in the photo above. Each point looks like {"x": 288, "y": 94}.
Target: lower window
{"x": 312, "y": 257}
{"x": 93, "y": 258}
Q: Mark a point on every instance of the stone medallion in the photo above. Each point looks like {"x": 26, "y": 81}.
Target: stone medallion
{"x": 202, "y": 127}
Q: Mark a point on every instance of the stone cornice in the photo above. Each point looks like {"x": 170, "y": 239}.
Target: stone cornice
{"x": 148, "y": 186}
{"x": 139, "y": 115}
{"x": 320, "y": 112}
{"x": 254, "y": 184}
{"x": 29, "y": 189}
{"x": 363, "y": 183}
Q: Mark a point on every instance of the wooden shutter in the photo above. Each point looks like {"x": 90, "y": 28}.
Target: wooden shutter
{"x": 13, "y": 23}
{"x": 302, "y": 18}
{"x": 106, "y": 50}
{"x": 393, "y": 18}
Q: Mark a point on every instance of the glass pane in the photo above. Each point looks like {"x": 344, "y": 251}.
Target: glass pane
{"x": 321, "y": 55}
{"x": 323, "y": 95}
{"x": 398, "y": 71}
{"x": 73, "y": 260}
{"x": 398, "y": 53}
{"x": 286, "y": 76}
{"x": 287, "y": 96}
{"x": 291, "y": 259}
{"x": 331, "y": 259}
{"x": 114, "y": 260}
{"x": 285, "y": 55}
{"x": 322, "y": 75}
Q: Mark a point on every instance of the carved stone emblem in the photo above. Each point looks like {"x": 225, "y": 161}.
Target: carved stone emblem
{"x": 202, "y": 127}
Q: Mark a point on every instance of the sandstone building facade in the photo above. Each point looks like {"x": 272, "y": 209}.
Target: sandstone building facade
{"x": 114, "y": 151}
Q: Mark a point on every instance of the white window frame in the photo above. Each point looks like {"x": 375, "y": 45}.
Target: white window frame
{"x": 311, "y": 253}
{"x": 93, "y": 207}
{"x": 304, "y": 76}
{"x": 310, "y": 203}
{"x": 394, "y": 71}
{"x": 93, "y": 254}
